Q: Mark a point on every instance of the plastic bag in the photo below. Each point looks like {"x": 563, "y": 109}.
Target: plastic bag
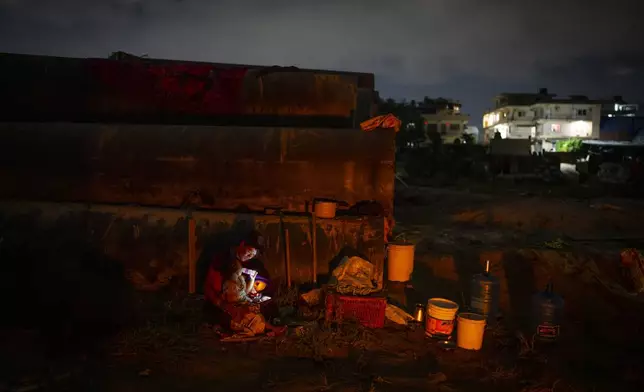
{"x": 353, "y": 276}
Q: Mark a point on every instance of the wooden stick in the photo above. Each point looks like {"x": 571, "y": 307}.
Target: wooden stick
{"x": 192, "y": 259}
{"x": 287, "y": 249}
{"x": 314, "y": 244}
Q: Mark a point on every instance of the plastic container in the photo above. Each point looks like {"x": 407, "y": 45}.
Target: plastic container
{"x": 439, "y": 322}
{"x": 485, "y": 294}
{"x": 325, "y": 209}
{"x": 368, "y": 311}
{"x": 400, "y": 262}
{"x": 547, "y": 313}
{"x": 470, "y": 330}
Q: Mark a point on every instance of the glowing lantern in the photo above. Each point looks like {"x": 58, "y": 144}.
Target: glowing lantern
{"x": 260, "y": 284}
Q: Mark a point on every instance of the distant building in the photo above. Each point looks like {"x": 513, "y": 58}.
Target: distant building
{"x": 617, "y": 107}
{"x": 620, "y": 121}
{"x": 543, "y": 118}
{"x": 445, "y": 117}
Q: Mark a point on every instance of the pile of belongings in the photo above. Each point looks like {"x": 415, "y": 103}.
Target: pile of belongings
{"x": 353, "y": 276}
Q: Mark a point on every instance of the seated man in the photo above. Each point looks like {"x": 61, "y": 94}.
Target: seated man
{"x": 230, "y": 287}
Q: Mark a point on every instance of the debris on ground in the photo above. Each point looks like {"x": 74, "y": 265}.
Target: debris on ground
{"x": 313, "y": 297}
{"x": 397, "y": 315}
{"x": 555, "y": 244}
{"x": 606, "y": 207}
{"x": 286, "y": 311}
{"x": 437, "y": 378}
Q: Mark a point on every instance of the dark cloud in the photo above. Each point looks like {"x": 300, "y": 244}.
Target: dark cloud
{"x": 597, "y": 76}
{"x": 500, "y": 44}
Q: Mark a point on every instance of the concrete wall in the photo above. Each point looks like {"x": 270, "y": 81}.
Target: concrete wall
{"x": 450, "y": 125}
{"x": 152, "y": 243}
{"x": 568, "y": 129}
{"x": 142, "y": 90}
{"x": 229, "y": 168}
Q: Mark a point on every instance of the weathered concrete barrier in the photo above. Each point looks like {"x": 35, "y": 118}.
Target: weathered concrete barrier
{"x": 126, "y": 89}
{"x": 227, "y": 168}
{"x": 153, "y": 245}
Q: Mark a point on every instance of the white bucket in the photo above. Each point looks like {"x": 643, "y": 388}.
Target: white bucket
{"x": 400, "y": 262}
{"x": 325, "y": 209}
{"x": 470, "y": 330}
{"x": 440, "y": 317}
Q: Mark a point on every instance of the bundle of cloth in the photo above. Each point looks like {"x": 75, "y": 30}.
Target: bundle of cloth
{"x": 353, "y": 276}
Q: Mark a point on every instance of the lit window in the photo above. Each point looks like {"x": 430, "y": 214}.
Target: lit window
{"x": 555, "y": 128}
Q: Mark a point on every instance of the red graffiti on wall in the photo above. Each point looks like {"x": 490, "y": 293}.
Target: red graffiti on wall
{"x": 174, "y": 88}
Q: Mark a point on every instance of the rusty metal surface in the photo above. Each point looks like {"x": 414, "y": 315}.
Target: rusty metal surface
{"x": 298, "y": 93}
{"x": 363, "y": 80}
{"x": 207, "y": 167}
{"x": 70, "y": 89}
{"x": 152, "y": 242}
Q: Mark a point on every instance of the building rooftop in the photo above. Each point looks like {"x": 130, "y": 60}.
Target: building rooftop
{"x": 434, "y": 106}
{"x": 543, "y": 96}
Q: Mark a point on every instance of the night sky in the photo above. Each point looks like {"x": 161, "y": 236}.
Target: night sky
{"x": 462, "y": 49}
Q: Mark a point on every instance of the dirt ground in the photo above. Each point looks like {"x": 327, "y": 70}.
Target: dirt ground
{"x": 530, "y": 238}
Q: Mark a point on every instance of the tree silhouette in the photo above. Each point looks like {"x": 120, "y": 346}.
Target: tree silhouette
{"x": 468, "y": 138}
{"x": 412, "y": 125}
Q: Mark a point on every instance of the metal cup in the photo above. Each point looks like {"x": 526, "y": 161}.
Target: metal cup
{"x": 419, "y": 313}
